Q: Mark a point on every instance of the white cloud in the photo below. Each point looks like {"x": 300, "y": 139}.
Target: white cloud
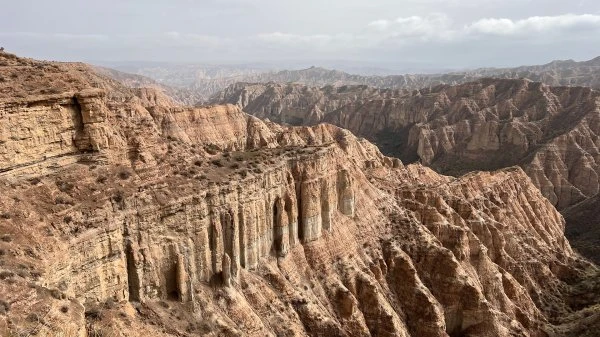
{"x": 440, "y": 28}
{"x": 380, "y": 24}
{"x": 412, "y": 26}
{"x": 535, "y": 25}
{"x": 434, "y": 25}
{"x": 402, "y": 31}
{"x": 435, "y": 36}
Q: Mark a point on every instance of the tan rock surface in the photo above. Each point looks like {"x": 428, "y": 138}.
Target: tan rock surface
{"x": 551, "y": 132}
{"x": 146, "y": 211}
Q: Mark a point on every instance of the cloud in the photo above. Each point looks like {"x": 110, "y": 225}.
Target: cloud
{"x": 434, "y": 25}
{"x": 535, "y": 25}
{"x": 436, "y": 36}
{"x": 440, "y": 27}
{"x": 380, "y": 25}
{"x": 400, "y": 30}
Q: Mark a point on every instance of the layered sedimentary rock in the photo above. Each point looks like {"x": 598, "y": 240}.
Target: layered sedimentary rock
{"x": 552, "y": 132}
{"x": 169, "y": 221}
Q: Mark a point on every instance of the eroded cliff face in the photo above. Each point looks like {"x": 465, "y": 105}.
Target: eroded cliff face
{"x": 167, "y": 221}
{"x": 552, "y": 132}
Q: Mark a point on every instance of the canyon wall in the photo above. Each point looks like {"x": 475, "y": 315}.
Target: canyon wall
{"x": 167, "y": 221}
{"x": 552, "y": 132}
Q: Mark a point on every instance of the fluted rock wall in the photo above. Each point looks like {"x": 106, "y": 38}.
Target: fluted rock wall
{"x": 154, "y": 245}
{"x": 552, "y": 132}
{"x": 211, "y": 222}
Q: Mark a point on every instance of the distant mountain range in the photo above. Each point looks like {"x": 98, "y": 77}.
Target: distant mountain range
{"x": 194, "y": 84}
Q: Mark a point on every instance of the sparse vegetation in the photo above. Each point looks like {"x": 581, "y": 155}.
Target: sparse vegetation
{"x": 217, "y": 162}
{"x": 57, "y": 294}
{"x": 211, "y": 149}
{"x": 118, "y": 197}
{"x": 5, "y": 274}
{"x": 124, "y": 174}
{"x": 4, "y": 307}
{"x": 61, "y": 200}
{"x": 65, "y": 186}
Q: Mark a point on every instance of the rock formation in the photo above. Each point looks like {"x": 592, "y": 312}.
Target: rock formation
{"x": 191, "y": 83}
{"x": 123, "y": 215}
{"x": 552, "y": 132}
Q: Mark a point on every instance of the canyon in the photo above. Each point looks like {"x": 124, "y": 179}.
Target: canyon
{"x": 551, "y": 132}
{"x": 196, "y": 83}
{"x": 125, "y": 214}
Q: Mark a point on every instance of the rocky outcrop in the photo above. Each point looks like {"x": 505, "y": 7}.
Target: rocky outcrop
{"x": 552, "y": 132}
{"x": 208, "y": 221}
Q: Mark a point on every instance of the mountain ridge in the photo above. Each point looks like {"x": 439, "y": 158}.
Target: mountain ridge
{"x": 560, "y": 72}
{"x": 125, "y": 214}
{"x": 552, "y": 132}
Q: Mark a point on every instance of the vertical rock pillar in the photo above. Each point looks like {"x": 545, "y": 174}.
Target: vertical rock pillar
{"x": 326, "y": 204}
{"x": 291, "y": 212}
{"x": 310, "y": 211}
{"x": 182, "y": 278}
{"x": 226, "y": 270}
{"x": 281, "y": 235}
{"x": 345, "y": 193}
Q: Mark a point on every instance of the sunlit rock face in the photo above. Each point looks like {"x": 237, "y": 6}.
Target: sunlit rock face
{"x": 551, "y": 132}
{"x": 123, "y": 214}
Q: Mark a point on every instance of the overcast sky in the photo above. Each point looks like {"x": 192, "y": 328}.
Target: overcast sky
{"x": 381, "y": 33}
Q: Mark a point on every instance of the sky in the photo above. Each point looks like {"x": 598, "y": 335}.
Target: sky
{"x": 391, "y": 34}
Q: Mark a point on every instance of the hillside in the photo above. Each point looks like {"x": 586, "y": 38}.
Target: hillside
{"x": 551, "y": 132}
{"x": 125, "y": 215}
{"x": 584, "y": 227}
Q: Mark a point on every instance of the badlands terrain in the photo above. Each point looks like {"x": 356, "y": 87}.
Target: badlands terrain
{"x": 195, "y": 83}
{"x": 125, "y": 214}
{"x": 483, "y": 125}
{"x": 551, "y": 132}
